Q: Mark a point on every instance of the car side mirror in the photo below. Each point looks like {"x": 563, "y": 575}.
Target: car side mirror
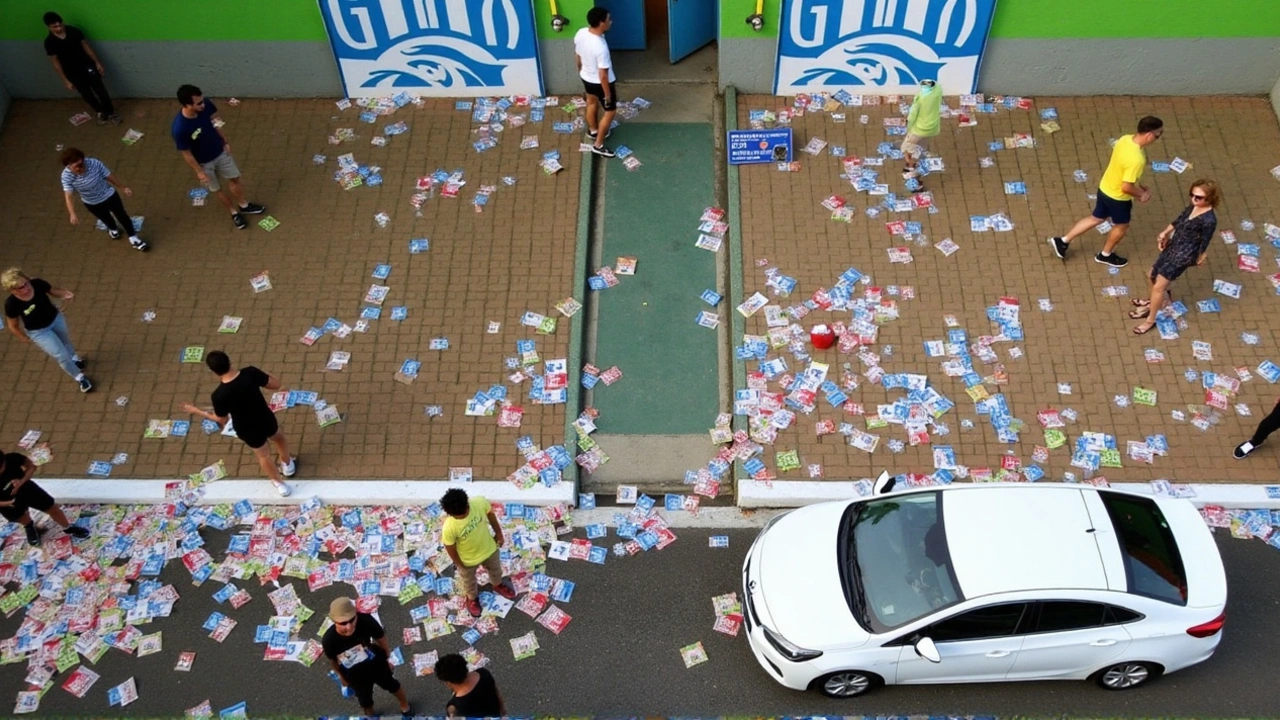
{"x": 883, "y": 484}
{"x": 926, "y": 649}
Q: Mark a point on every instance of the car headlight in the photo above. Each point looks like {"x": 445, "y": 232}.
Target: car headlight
{"x": 790, "y": 650}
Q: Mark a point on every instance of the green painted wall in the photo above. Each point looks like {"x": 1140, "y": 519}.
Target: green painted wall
{"x": 271, "y": 20}
{"x": 575, "y": 10}
{"x": 1078, "y": 18}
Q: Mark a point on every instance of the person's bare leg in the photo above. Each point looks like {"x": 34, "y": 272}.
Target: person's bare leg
{"x": 1114, "y": 237}
{"x": 593, "y": 111}
{"x": 603, "y": 128}
{"x": 1158, "y": 289}
{"x": 268, "y": 466}
{"x": 368, "y": 711}
{"x": 404, "y": 700}
{"x": 1081, "y": 227}
{"x": 281, "y": 444}
{"x": 225, "y": 200}
{"x": 237, "y": 189}
{"x": 58, "y": 516}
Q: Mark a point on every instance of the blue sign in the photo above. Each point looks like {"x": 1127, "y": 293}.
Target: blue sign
{"x": 759, "y": 146}
{"x": 455, "y": 48}
{"x": 880, "y": 46}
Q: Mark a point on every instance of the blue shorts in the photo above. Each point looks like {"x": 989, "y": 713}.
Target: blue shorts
{"x": 1118, "y": 211}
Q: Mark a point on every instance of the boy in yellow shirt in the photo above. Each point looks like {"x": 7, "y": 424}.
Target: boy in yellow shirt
{"x": 467, "y": 540}
{"x": 1116, "y": 191}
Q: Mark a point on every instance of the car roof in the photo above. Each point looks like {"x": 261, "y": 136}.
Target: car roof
{"x": 1023, "y": 537}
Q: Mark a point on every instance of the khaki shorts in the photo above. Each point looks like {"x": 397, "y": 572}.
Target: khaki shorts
{"x": 466, "y": 576}
{"x": 223, "y": 166}
{"x": 914, "y": 146}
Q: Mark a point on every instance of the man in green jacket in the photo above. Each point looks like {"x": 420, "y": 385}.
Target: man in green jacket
{"x": 923, "y": 122}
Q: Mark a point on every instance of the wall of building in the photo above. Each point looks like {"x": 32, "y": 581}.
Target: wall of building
{"x": 1082, "y": 47}
{"x": 559, "y": 68}
{"x": 248, "y": 48}
{"x": 5, "y": 99}
{"x": 1275, "y": 98}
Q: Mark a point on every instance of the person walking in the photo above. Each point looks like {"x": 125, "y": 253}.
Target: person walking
{"x": 475, "y": 693}
{"x": 78, "y": 66}
{"x": 923, "y": 122}
{"x": 33, "y": 318}
{"x": 97, "y": 188}
{"x": 357, "y": 648}
{"x": 595, "y": 67}
{"x": 1116, "y": 191}
{"x": 470, "y": 545}
{"x": 239, "y": 399}
{"x": 207, "y": 151}
{"x": 1183, "y": 244}
{"x": 19, "y": 494}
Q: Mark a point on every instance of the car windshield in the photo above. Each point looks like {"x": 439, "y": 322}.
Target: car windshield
{"x": 894, "y": 560}
{"x": 1152, "y": 563}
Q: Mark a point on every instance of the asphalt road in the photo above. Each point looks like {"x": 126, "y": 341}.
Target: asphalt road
{"x": 620, "y": 655}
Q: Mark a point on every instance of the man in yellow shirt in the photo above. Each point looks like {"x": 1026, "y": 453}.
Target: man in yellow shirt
{"x": 467, "y": 540}
{"x": 1116, "y": 191}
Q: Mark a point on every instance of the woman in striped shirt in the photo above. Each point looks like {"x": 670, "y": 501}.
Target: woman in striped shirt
{"x": 97, "y": 188}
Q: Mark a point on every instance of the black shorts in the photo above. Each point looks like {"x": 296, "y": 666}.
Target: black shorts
{"x": 258, "y": 433}
{"x": 28, "y": 497}
{"x": 596, "y": 90}
{"x": 378, "y": 673}
{"x": 1107, "y": 207}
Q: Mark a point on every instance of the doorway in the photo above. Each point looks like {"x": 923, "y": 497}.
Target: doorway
{"x": 671, "y": 41}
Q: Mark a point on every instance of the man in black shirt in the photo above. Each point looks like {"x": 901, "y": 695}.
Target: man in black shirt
{"x": 78, "y": 66}
{"x": 475, "y": 694}
{"x": 19, "y": 494}
{"x": 357, "y": 649}
{"x": 239, "y": 399}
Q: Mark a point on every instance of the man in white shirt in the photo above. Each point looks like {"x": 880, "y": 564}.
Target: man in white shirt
{"x": 595, "y": 67}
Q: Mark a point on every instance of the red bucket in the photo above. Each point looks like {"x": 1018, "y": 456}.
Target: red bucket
{"x": 822, "y": 337}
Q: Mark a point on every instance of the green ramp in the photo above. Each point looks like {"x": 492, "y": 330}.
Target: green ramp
{"x": 646, "y": 325}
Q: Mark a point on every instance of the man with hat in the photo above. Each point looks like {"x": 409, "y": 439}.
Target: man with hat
{"x": 357, "y": 648}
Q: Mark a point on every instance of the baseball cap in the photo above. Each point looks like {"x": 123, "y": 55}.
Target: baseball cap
{"x": 342, "y": 609}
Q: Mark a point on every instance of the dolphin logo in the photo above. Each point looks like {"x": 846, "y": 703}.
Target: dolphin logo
{"x": 873, "y": 61}
{"x": 435, "y": 63}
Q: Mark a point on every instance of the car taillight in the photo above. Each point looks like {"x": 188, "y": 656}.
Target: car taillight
{"x": 1208, "y": 629}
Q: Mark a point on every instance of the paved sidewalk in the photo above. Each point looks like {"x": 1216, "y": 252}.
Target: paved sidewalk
{"x": 1085, "y": 340}
{"x": 515, "y": 256}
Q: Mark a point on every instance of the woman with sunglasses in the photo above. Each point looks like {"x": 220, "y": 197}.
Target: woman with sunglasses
{"x": 33, "y": 318}
{"x": 97, "y": 189}
{"x": 1183, "y": 244}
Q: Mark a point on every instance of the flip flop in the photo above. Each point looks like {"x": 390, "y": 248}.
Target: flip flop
{"x": 1140, "y": 303}
{"x": 1140, "y": 313}
{"x": 1142, "y": 329}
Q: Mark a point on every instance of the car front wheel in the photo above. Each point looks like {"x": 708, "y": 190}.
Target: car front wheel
{"x": 1127, "y": 675}
{"x": 846, "y": 683}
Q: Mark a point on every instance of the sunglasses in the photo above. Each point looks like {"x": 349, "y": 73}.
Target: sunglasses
{"x": 1198, "y": 197}
{"x": 344, "y": 623}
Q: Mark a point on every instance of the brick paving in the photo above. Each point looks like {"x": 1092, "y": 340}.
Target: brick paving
{"x": 1085, "y": 340}
{"x": 515, "y": 256}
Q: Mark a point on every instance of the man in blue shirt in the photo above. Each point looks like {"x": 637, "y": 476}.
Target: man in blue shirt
{"x": 207, "y": 151}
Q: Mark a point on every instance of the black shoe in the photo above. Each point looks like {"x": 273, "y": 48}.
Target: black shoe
{"x": 115, "y": 234}
{"x": 1059, "y": 247}
{"x": 79, "y": 364}
{"x": 1245, "y": 449}
{"x": 102, "y": 118}
{"x": 33, "y": 535}
{"x": 252, "y": 209}
{"x": 114, "y": 119}
{"x": 239, "y": 220}
{"x": 593, "y": 134}
{"x": 76, "y": 532}
{"x": 85, "y": 385}
{"x": 602, "y": 151}
{"x": 1113, "y": 260}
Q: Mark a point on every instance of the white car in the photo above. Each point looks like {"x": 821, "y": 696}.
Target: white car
{"x": 983, "y": 583}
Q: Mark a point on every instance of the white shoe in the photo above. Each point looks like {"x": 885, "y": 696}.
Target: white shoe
{"x": 288, "y": 469}
{"x": 283, "y": 489}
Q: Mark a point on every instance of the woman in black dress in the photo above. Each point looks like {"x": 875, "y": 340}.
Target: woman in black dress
{"x": 1183, "y": 244}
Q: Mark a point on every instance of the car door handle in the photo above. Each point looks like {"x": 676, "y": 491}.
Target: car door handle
{"x": 998, "y": 653}
{"x": 1102, "y": 643}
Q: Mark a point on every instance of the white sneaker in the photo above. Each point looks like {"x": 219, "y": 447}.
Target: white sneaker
{"x": 288, "y": 469}
{"x": 283, "y": 489}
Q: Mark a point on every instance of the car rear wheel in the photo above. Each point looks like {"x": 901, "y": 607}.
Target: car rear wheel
{"x": 846, "y": 683}
{"x": 1127, "y": 675}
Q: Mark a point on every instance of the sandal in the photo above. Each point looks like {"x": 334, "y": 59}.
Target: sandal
{"x": 1143, "y": 329}
{"x": 1140, "y": 313}
{"x": 1137, "y": 302}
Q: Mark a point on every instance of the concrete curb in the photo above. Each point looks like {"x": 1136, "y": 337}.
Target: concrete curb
{"x": 737, "y": 323}
{"x": 85, "y": 491}
{"x": 794, "y": 493}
